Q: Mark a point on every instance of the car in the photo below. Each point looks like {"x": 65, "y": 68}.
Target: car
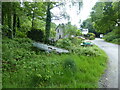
{"x": 87, "y": 43}
{"x": 81, "y": 37}
{"x": 101, "y": 36}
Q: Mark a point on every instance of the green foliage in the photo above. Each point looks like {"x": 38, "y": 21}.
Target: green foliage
{"x": 13, "y": 52}
{"x": 89, "y": 25}
{"x": 23, "y": 67}
{"x": 112, "y": 37}
{"x": 109, "y": 37}
{"x": 71, "y": 30}
{"x": 53, "y": 32}
{"x": 22, "y": 18}
{"x": 104, "y": 16}
{"x": 68, "y": 43}
{"x": 78, "y": 33}
{"x": 20, "y": 34}
{"x": 90, "y": 36}
{"x": 25, "y": 25}
{"x": 69, "y": 64}
{"x": 86, "y": 51}
{"x": 64, "y": 43}
{"x": 76, "y": 40}
{"x": 5, "y": 30}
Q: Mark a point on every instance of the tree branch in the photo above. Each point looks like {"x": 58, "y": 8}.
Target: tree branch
{"x": 57, "y": 5}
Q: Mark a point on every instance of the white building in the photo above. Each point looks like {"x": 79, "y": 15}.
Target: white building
{"x": 59, "y": 32}
{"x": 85, "y": 31}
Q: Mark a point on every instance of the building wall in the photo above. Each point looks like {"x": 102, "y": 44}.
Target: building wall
{"x": 59, "y": 33}
{"x": 85, "y": 31}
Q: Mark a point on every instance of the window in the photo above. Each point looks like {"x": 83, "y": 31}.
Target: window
{"x": 58, "y": 30}
{"x": 59, "y": 36}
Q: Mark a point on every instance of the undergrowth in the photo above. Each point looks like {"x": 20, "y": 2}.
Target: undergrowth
{"x": 113, "y": 36}
{"x": 24, "y": 67}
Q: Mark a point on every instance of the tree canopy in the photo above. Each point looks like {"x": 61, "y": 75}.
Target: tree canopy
{"x": 105, "y": 16}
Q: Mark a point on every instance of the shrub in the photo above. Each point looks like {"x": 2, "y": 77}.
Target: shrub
{"x": 6, "y": 31}
{"x": 70, "y": 65}
{"x": 64, "y": 43}
{"x": 110, "y": 36}
{"x": 14, "y": 51}
{"x": 20, "y": 34}
{"x": 90, "y": 36}
{"x": 86, "y": 51}
{"x": 36, "y": 34}
{"x": 76, "y": 41}
{"x": 117, "y": 41}
{"x": 68, "y": 43}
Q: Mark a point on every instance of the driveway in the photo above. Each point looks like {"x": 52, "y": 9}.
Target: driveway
{"x": 110, "y": 78}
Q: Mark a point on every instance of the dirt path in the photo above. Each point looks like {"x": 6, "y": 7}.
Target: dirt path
{"x": 110, "y": 78}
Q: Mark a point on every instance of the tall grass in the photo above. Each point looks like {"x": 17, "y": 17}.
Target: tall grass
{"x": 30, "y": 69}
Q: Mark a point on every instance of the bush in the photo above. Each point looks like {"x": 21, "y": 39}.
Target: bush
{"x": 6, "y": 31}
{"x": 20, "y": 34}
{"x": 69, "y": 64}
{"x": 36, "y": 34}
{"x": 91, "y": 34}
{"x": 110, "y": 36}
{"x": 91, "y": 38}
{"x": 86, "y": 51}
{"x": 64, "y": 43}
{"x": 76, "y": 41}
{"x": 117, "y": 41}
{"x": 14, "y": 51}
{"x": 68, "y": 43}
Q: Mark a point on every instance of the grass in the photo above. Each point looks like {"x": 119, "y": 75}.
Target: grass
{"x": 25, "y": 67}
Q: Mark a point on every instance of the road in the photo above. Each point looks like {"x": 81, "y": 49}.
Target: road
{"x": 110, "y": 77}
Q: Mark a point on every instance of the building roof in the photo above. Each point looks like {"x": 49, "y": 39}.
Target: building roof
{"x": 60, "y": 25}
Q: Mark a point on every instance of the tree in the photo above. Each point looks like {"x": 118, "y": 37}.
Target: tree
{"x": 105, "y": 17}
{"x": 35, "y": 10}
{"x": 9, "y": 17}
{"x": 88, "y": 24}
{"x": 48, "y": 22}
{"x": 70, "y": 29}
{"x": 50, "y": 5}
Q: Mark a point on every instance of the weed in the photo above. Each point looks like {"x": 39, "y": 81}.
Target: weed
{"x": 28, "y": 68}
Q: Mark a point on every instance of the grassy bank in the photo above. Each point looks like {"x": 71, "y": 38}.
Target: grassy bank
{"x": 27, "y": 67}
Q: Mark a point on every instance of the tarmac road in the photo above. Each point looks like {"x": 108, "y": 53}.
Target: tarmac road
{"x": 110, "y": 77}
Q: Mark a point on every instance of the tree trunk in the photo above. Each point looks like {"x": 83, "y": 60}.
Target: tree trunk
{"x": 2, "y": 15}
{"x": 48, "y": 23}
{"x": 18, "y": 22}
{"x": 10, "y": 20}
{"x": 14, "y": 24}
{"x": 33, "y": 20}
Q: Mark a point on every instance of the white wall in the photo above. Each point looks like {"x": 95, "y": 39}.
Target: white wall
{"x": 60, "y": 33}
{"x": 85, "y": 31}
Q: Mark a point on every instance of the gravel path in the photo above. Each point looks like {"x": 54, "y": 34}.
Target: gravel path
{"x": 110, "y": 78}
